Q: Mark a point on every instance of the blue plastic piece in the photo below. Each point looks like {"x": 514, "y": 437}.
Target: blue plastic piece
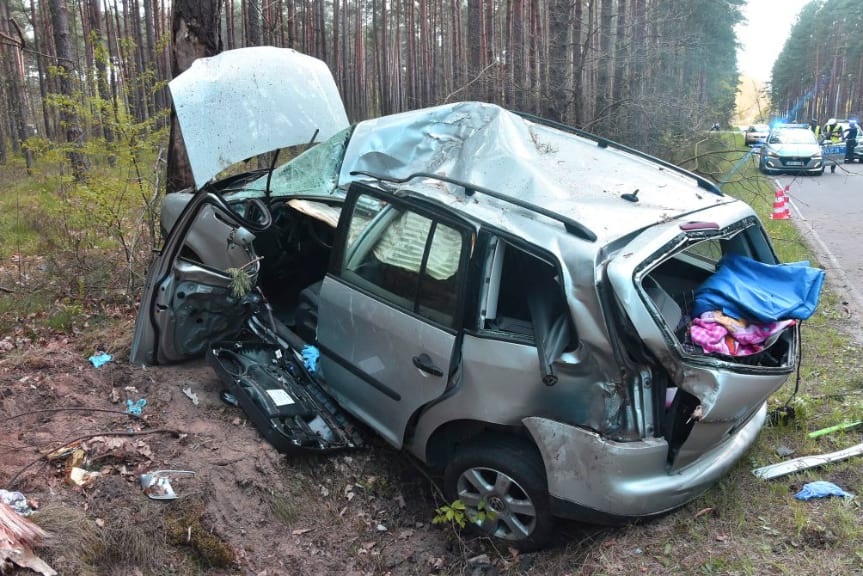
{"x": 134, "y": 408}
{"x": 310, "y": 358}
{"x": 821, "y": 489}
{"x": 98, "y": 360}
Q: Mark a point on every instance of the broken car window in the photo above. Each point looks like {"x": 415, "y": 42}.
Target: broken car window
{"x": 312, "y": 173}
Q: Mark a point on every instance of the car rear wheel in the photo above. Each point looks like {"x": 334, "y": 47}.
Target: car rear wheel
{"x": 501, "y": 482}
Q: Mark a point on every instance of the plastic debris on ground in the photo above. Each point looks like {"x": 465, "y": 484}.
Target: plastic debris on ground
{"x": 135, "y": 408}
{"x": 310, "y": 358}
{"x": 191, "y": 395}
{"x": 821, "y": 489}
{"x": 836, "y": 428}
{"x": 229, "y": 398}
{"x": 18, "y": 536}
{"x": 806, "y": 462}
{"x": 98, "y": 360}
{"x": 16, "y": 501}
{"x": 81, "y": 477}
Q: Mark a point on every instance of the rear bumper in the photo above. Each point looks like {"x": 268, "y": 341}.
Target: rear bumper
{"x": 596, "y": 479}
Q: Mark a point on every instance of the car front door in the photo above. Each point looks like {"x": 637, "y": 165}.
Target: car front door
{"x": 191, "y": 298}
{"x": 391, "y": 307}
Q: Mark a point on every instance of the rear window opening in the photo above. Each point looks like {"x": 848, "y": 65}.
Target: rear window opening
{"x": 670, "y": 287}
{"x": 525, "y": 299}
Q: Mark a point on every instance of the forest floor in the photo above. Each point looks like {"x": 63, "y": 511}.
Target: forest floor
{"x": 247, "y": 510}
{"x": 250, "y": 510}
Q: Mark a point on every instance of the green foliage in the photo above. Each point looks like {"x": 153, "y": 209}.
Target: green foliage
{"x": 457, "y": 514}
{"x": 692, "y": 77}
{"x": 241, "y": 282}
{"x": 451, "y": 514}
{"x": 68, "y": 239}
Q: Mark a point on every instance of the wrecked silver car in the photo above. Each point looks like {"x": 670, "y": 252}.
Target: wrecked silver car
{"x": 506, "y": 298}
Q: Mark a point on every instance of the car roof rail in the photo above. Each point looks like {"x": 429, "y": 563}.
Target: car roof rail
{"x": 703, "y": 182}
{"x": 572, "y": 226}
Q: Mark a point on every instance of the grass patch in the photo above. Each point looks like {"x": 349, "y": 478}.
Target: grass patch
{"x": 185, "y": 527}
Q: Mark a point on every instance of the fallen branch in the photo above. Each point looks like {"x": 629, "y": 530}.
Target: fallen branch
{"x": 82, "y": 409}
{"x": 129, "y": 433}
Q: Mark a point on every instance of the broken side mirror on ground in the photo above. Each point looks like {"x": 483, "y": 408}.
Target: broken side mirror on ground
{"x": 157, "y": 484}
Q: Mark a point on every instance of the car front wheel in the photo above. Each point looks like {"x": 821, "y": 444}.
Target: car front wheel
{"x": 502, "y": 484}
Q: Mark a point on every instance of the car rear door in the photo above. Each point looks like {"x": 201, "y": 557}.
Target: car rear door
{"x": 391, "y": 308}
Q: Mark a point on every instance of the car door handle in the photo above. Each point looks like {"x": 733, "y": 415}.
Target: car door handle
{"x": 424, "y": 363}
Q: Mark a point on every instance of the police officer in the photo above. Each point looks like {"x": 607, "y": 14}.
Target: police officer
{"x": 830, "y": 130}
{"x": 850, "y": 141}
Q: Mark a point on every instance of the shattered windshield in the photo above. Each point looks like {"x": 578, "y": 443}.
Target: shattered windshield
{"x": 315, "y": 172}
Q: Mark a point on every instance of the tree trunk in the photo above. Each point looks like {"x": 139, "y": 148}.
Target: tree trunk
{"x": 412, "y": 72}
{"x": 100, "y": 56}
{"x": 142, "y": 87}
{"x": 2, "y": 144}
{"x": 621, "y": 64}
{"x": 253, "y": 23}
{"x": 425, "y": 55}
{"x": 195, "y": 34}
{"x": 559, "y": 58}
{"x": 475, "y": 48}
{"x": 37, "y": 36}
{"x": 230, "y": 41}
{"x": 67, "y": 74}
{"x": 16, "y": 84}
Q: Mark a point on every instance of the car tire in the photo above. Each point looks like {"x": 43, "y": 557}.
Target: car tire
{"x": 508, "y": 476}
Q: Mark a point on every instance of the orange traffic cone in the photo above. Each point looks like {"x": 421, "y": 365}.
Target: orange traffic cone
{"x": 780, "y": 208}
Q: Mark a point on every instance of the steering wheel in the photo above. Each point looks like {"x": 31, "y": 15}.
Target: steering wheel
{"x": 254, "y": 215}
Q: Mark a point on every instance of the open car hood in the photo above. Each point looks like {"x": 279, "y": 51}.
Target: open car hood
{"x": 249, "y": 101}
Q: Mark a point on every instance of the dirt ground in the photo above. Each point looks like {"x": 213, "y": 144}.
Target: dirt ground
{"x": 247, "y": 510}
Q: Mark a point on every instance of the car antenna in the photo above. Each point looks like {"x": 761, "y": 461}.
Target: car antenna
{"x": 630, "y": 196}
{"x": 276, "y": 157}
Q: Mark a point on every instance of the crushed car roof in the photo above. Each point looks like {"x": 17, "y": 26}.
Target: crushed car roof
{"x": 487, "y": 146}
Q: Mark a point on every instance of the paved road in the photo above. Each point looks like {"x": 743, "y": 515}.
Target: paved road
{"x": 829, "y": 211}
